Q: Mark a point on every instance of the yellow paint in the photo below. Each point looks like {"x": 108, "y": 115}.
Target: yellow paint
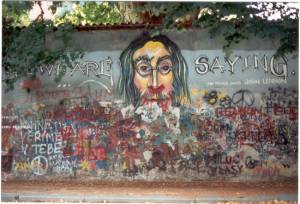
{"x": 22, "y": 166}
{"x": 150, "y": 47}
{"x": 222, "y": 94}
{"x": 124, "y": 166}
{"x": 203, "y": 92}
{"x": 184, "y": 100}
{"x": 195, "y": 91}
{"x": 85, "y": 165}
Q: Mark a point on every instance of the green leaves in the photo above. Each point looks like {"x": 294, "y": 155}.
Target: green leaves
{"x": 91, "y": 13}
{"x": 25, "y": 50}
{"x": 15, "y": 13}
{"x": 234, "y": 22}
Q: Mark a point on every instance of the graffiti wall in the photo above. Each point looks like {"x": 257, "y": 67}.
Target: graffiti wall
{"x": 153, "y": 108}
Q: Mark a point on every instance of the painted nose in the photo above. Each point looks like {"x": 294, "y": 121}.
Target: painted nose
{"x": 154, "y": 78}
{"x": 154, "y": 87}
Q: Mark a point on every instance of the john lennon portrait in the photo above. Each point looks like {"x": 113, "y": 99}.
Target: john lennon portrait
{"x": 153, "y": 71}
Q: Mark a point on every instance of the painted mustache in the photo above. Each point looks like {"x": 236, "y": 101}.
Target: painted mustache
{"x": 155, "y": 93}
{"x": 160, "y": 95}
{"x": 155, "y": 90}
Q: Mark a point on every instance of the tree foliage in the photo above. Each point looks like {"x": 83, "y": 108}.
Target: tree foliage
{"x": 15, "y": 13}
{"x": 231, "y": 21}
{"x": 25, "y": 48}
{"x": 90, "y": 13}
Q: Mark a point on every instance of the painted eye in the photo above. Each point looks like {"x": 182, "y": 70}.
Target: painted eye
{"x": 165, "y": 69}
{"x": 144, "y": 69}
{"x": 165, "y": 66}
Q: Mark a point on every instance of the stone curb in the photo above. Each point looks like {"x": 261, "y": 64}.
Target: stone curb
{"x": 14, "y": 197}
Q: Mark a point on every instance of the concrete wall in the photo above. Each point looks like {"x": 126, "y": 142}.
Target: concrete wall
{"x": 242, "y": 123}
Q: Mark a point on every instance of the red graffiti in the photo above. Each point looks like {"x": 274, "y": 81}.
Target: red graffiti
{"x": 251, "y": 133}
{"x": 32, "y": 84}
{"x": 66, "y": 132}
{"x": 80, "y": 114}
{"x": 292, "y": 112}
{"x": 96, "y": 153}
{"x": 226, "y": 112}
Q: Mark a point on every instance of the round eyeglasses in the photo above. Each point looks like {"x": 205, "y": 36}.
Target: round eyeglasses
{"x": 146, "y": 69}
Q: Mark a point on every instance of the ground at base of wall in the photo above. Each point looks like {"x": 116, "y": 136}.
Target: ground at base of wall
{"x": 182, "y": 191}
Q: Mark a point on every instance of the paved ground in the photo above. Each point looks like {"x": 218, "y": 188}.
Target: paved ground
{"x": 154, "y": 192}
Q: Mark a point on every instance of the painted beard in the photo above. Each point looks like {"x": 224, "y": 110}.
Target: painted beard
{"x": 157, "y": 95}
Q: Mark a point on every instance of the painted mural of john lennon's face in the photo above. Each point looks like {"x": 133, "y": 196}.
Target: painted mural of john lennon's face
{"x": 153, "y": 71}
{"x": 153, "y": 75}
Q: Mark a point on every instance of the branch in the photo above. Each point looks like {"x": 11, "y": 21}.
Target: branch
{"x": 41, "y": 15}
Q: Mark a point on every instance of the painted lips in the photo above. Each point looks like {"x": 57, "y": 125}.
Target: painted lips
{"x": 157, "y": 95}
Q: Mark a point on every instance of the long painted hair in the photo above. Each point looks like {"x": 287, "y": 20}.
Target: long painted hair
{"x": 126, "y": 88}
